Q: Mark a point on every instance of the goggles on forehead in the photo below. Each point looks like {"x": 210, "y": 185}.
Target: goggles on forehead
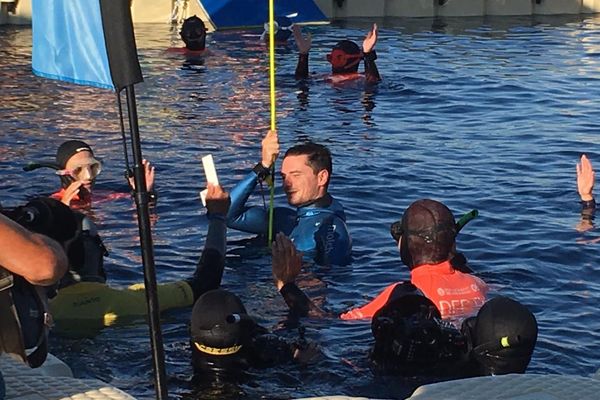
{"x": 339, "y": 58}
{"x": 82, "y": 172}
{"x": 427, "y": 235}
{"x": 397, "y": 231}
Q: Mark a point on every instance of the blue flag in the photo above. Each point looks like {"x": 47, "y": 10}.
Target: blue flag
{"x": 88, "y": 42}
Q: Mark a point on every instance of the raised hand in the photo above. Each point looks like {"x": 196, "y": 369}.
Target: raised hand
{"x": 217, "y": 200}
{"x": 585, "y": 179}
{"x": 270, "y": 148}
{"x": 287, "y": 261}
{"x": 370, "y": 40}
{"x": 149, "y": 173}
{"x": 70, "y": 192}
{"x": 303, "y": 43}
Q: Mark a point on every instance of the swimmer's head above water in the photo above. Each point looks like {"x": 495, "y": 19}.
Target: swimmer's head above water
{"x": 193, "y": 33}
{"x": 426, "y": 234}
{"x": 282, "y": 27}
{"x": 220, "y": 327}
{"x": 345, "y": 57}
{"x": 76, "y": 161}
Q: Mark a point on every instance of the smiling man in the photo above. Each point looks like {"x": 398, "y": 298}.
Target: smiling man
{"x": 318, "y": 224}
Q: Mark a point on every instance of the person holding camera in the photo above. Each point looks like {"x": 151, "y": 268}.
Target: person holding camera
{"x": 27, "y": 260}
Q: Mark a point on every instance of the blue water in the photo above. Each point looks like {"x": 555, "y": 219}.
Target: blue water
{"x": 478, "y": 113}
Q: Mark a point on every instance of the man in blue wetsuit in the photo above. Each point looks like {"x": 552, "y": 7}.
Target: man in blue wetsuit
{"x": 318, "y": 225}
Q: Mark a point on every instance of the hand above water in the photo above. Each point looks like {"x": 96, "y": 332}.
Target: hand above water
{"x": 270, "y": 148}
{"x": 585, "y": 179}
{"x": 304, "y": 44}
{"x": 217, "y": 200}
{"x": 149, "y": 173}
{"x": 370, "y": 40}
{"x": 71, "y": 192}
{"x": 287, "y": 261}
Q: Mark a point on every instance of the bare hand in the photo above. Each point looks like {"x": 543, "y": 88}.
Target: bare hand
{"x": 149, "y": 172}
{"x": 303, "y": 44}
{"x": 370, "y": 40}
{"x": 287, "y": 261}
{"x": 270, "y": 148}
{"x": 585, "y": 179}
{"x": 70, "y": 192}
{"x": 217, "y": 200}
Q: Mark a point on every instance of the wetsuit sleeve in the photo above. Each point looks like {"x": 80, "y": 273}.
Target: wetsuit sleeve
{"x": 302, "y": 67}
{"x": 297, "y": 301}
{"x": 368, "y": 310}
{"x": 371, "y": 72}
{"x": 588, "y": 209}
{"x": 209, "y": 272}
{"x": 242, "y": 218}
{"x": 267, "y": 350}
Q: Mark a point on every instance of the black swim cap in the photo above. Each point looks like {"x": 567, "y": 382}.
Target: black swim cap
{"x": 213, "y": 329}
{"x": 193, "y": 33}
{"x": 504, "y": 336}
{"x": 428, "y": 233}
{"x": 68, "y": 149}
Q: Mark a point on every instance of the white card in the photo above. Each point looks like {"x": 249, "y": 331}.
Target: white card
{"x": 211, "y": 175}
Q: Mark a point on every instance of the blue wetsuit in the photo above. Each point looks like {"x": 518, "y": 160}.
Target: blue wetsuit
{"x": 317, "y": 229}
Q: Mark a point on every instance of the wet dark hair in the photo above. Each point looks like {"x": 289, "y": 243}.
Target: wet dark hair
{"x": 319, "y": 156}
{"x": 428, "y": 233}
{"x": 193, "y": 33}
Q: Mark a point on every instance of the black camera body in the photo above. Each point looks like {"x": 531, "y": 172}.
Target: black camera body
{"x": 46, "y": 216}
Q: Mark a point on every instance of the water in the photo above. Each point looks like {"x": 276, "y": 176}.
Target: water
{"x": 478, "y": 113}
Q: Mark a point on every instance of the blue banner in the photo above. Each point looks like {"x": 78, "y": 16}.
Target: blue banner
{"x": 70, "y": 42}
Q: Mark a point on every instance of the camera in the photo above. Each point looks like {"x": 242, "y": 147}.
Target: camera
{"x": 45, "y": 216}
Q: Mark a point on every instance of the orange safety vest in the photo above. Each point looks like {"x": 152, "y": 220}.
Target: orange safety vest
{"x": 455, "y": 294}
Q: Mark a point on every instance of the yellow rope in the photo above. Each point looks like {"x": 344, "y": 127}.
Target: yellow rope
{"x": 273, "y": 114}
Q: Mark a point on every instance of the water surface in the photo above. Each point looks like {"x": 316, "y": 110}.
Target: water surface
{"x": 478, "y": 113}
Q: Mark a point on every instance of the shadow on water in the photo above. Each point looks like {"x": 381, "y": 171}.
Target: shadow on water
{"x": 486, "y": 113}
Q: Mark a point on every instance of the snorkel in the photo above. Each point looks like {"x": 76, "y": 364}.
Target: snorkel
{"x": 465, "y": 219}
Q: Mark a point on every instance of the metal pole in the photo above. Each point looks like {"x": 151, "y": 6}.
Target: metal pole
{"x": 141, "y": 202}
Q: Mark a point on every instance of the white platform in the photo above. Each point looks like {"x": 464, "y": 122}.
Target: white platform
{"x": 52, "y": 381}
{"x": 513, "y": 387}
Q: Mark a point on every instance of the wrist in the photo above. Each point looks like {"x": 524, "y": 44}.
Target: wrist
{"x": 261, "y": 171}
{"x": 280, "y": 284}
{"x": 215, "y": 216}
{"x": 586, "y": 197}
{"x": 588, "y": 203}
{"x": 370, "y": 55}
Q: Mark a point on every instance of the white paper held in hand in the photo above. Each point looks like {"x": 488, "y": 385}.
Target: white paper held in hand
{"x": 211, "y": 175}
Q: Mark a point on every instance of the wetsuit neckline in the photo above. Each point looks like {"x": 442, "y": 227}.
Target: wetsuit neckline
{"x": 445, "y": 267}
{"x": 322, "y": 202}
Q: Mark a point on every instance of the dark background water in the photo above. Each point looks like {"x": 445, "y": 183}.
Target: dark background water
{"x": 478, "y": 113}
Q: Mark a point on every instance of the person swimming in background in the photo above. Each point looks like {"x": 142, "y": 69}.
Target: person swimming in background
{"x": 318, "y": 222}
{"x": 585, "y": 187}
{"x": 344, "y": 58}
{"x": 78, "y": 169}
{"x": 283, "y": 30}
{"x": 193, "y": 34}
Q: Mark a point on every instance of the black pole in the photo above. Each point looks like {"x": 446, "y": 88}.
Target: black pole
{"x": 141, "y": 202}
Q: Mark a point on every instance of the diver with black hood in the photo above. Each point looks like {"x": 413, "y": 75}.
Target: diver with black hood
{"x": 427, "y": 326}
